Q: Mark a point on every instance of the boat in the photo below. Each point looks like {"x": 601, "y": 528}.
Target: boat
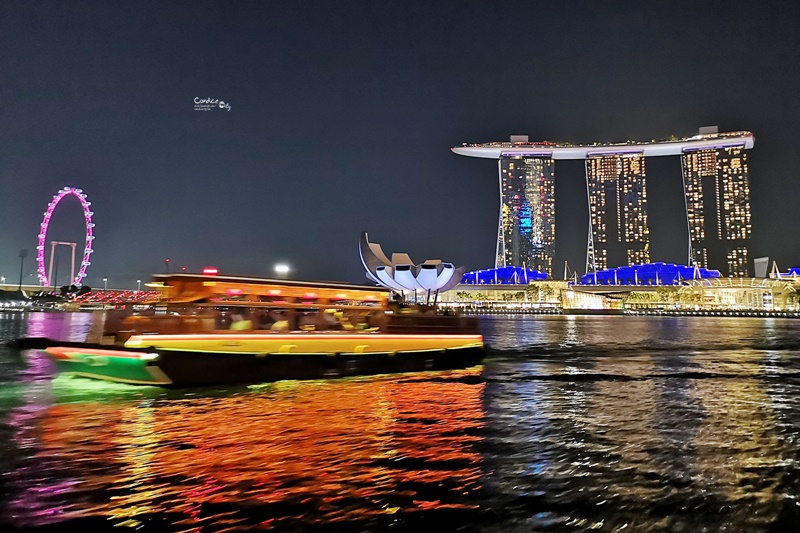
{"x": 209, "y": 329}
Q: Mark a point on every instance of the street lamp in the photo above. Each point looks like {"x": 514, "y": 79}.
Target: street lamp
{"x": 282, "y": 270}
{"x": 22, "y": 255}
{"x": 105, "y": 284}
{"x": 138, "y": 285}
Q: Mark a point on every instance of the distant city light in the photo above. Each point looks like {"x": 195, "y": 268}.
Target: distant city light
{"x": 281, "y": 269}
{"x": 210, "y": 271}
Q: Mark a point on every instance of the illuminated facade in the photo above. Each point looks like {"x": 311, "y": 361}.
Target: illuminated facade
{"x": 648, "y": 274}
{"x": 715, "y": 182}
{"x": 716, "y": 185}
{"x": 527, "y": 226}
{"x": 617, "y": 211}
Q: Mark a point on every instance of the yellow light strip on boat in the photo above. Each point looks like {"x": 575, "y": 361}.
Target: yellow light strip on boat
{"x": 293, "y": 337}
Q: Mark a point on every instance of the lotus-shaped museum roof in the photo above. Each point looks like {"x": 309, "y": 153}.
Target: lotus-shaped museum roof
{"x": 402, "y": 275}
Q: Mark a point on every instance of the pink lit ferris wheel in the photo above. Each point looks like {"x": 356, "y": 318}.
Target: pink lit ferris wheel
{"x": 87, "y": 251}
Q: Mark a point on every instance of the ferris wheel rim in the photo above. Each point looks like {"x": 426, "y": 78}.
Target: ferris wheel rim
{"x": 43, "y": 227}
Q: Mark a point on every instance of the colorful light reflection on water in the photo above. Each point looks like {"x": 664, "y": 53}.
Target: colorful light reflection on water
{"x": 343, "y": 451}
{"x": 573, "y": 424}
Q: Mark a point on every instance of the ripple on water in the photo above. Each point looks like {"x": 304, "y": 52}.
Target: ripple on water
{"x": 673, "y": 425}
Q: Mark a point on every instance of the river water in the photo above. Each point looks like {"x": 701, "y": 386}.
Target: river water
{"x": 583, "y": 423}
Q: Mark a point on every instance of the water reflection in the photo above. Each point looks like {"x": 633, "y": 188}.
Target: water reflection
{"x": 61, "y": 326}
{"x": 574, "y": 423}
{"x": 354, "y": 450}
{"x": 739, "y": 421}
{"x": 646, "y": 424}
{"x": 13, "y": 325}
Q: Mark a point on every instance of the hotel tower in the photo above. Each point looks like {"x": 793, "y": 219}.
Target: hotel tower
{"x": 716, "y": 187}
{"x": 716, "y": 183}
{"x": 527, "y": 226}
{"x": 617, "y": 211}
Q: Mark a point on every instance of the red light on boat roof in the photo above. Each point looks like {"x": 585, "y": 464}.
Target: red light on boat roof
{"x": 234, "y": 292}
{"x": 310, "y": 296}
{"x": 210, "y": 271}
{"x": 340, "y": 297}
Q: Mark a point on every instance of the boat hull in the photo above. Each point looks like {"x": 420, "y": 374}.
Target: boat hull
{"x": 175, "y": 365}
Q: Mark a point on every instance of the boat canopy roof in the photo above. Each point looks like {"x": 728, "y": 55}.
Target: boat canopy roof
{"x": 186, "y": 288}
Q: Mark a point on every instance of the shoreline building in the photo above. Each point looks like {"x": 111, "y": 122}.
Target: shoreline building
{"x": 618, "y": 232}
{"x": 716, "y": 183}
{"x": 527, "y": 226}
{"x": 716, "y": 190}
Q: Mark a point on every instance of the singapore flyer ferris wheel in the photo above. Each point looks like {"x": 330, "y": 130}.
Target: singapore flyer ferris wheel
{"x": 44, "y": 274}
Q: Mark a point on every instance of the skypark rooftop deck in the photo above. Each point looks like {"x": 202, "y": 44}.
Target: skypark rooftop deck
{"x": 550, "y": 150}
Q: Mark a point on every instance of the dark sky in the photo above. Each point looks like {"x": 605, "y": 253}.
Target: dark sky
{"x": 342, "y": 116}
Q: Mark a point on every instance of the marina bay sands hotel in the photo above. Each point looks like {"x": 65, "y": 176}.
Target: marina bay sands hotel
{"x": 715, "y": 183}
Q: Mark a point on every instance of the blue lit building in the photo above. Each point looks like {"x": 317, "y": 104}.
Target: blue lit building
{"x": 793, "y": 273}
{"x": 509, "y": 275}
{"x": 648, "y": 274}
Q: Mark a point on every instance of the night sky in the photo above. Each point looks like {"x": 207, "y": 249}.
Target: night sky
{"x": 341, "y": 119}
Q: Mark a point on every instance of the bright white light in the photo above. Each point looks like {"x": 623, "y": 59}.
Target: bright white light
{"x": 281, "y": 269}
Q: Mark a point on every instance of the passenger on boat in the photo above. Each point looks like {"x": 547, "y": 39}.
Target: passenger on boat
{"x": 376, "y": 320}
{"x": 240, "y": 323}
{"x": 280, "y": 325}
{"x": 282, "y": 321}
{"x": 307, "y": 321}
{"x": 343, "y": 321}
{"x": 326, "y": 320}
{"x": 265, "y": 319}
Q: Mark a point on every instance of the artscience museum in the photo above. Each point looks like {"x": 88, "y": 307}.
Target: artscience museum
{"x": 405, "y": 277}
